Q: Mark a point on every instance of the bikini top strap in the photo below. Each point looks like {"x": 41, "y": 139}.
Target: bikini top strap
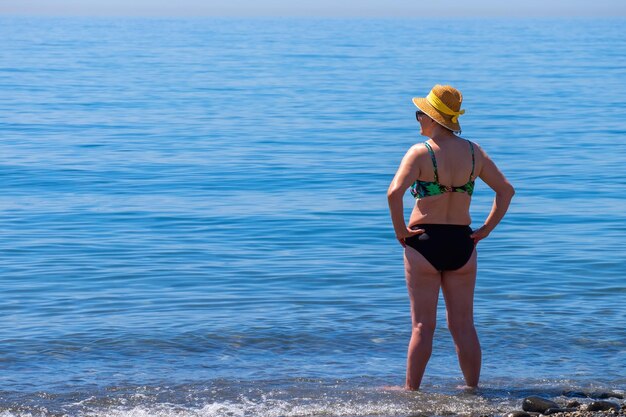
{"x": 432, "y": 156}
{"x": 472, "y": 148}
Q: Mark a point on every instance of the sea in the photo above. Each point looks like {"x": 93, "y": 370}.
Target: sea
{"x": 194, "y": 222}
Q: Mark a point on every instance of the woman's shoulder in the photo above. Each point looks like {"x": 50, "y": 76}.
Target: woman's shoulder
{"x": 473, "y": 142}
{"x": 475, "y": 145}
{"x": 418, "y": 149}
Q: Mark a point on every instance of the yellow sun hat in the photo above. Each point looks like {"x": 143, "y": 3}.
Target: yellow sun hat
{"x": 443, "y": 105}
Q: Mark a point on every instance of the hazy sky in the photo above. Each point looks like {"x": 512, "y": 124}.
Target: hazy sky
{"x": 338, "y": 8}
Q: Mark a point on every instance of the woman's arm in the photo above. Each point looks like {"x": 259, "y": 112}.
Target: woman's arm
{"x": 405, "y": 176}
{"x": 492, "y": 176}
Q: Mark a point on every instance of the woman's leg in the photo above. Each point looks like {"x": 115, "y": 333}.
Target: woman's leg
{"x": 423, "y": 282}
{"x": 458, "y": 291}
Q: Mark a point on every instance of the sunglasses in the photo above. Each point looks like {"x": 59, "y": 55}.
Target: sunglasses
{"x": 419, "y": 113}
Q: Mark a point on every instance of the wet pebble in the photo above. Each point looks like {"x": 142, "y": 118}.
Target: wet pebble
{"x": 573, "y": 404}
{"x": 603, "y": 406}
{"x": 534, "y": 403}
{"x": 605, "y": 395}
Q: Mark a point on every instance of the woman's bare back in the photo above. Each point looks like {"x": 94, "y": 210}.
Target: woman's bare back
{"x": 455, "y": 164}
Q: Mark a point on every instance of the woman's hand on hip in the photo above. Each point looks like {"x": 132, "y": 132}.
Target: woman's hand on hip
{"x": 408, "y": 233}
{"x": 479, "y": 234}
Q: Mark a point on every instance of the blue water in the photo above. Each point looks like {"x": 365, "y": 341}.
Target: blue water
{"x": 193, "y": 215}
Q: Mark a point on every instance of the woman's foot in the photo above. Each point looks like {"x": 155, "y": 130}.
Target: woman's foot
{"x": 468, "y": 389}
{"x": 392, "y": 388}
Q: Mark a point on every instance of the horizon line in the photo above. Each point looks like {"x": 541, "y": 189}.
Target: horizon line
{"x": 310, "y": 16}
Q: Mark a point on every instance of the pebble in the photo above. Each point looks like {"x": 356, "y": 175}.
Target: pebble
{"x": 601, "y": 395}
{"x": 534, "y": 403}
{"x": 605, "y": 395}
{"x": 573, "y": 404}
{"x": 603, "y": 406}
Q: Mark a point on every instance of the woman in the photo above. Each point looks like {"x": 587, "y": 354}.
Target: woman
{"x": 439, "y": 245}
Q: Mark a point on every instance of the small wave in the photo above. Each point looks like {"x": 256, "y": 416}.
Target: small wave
{"x": 278, "y": 398}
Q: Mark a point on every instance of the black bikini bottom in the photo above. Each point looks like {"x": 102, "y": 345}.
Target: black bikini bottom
{"x": 446, "y": 246}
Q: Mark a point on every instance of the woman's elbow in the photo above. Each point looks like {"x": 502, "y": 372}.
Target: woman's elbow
{"x": 508, "y": 191}
{"x": 393, "y": 192}
{"x": 511, "y": 190}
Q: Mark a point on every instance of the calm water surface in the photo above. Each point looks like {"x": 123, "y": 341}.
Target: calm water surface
{"x": 194, "y": 220}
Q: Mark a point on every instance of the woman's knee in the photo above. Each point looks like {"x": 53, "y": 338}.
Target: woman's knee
{"x": 460, "y": 326}
{"x": 424, "y": 329}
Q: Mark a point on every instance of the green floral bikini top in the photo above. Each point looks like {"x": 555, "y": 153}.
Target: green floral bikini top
{"x": 421, "y": 189}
